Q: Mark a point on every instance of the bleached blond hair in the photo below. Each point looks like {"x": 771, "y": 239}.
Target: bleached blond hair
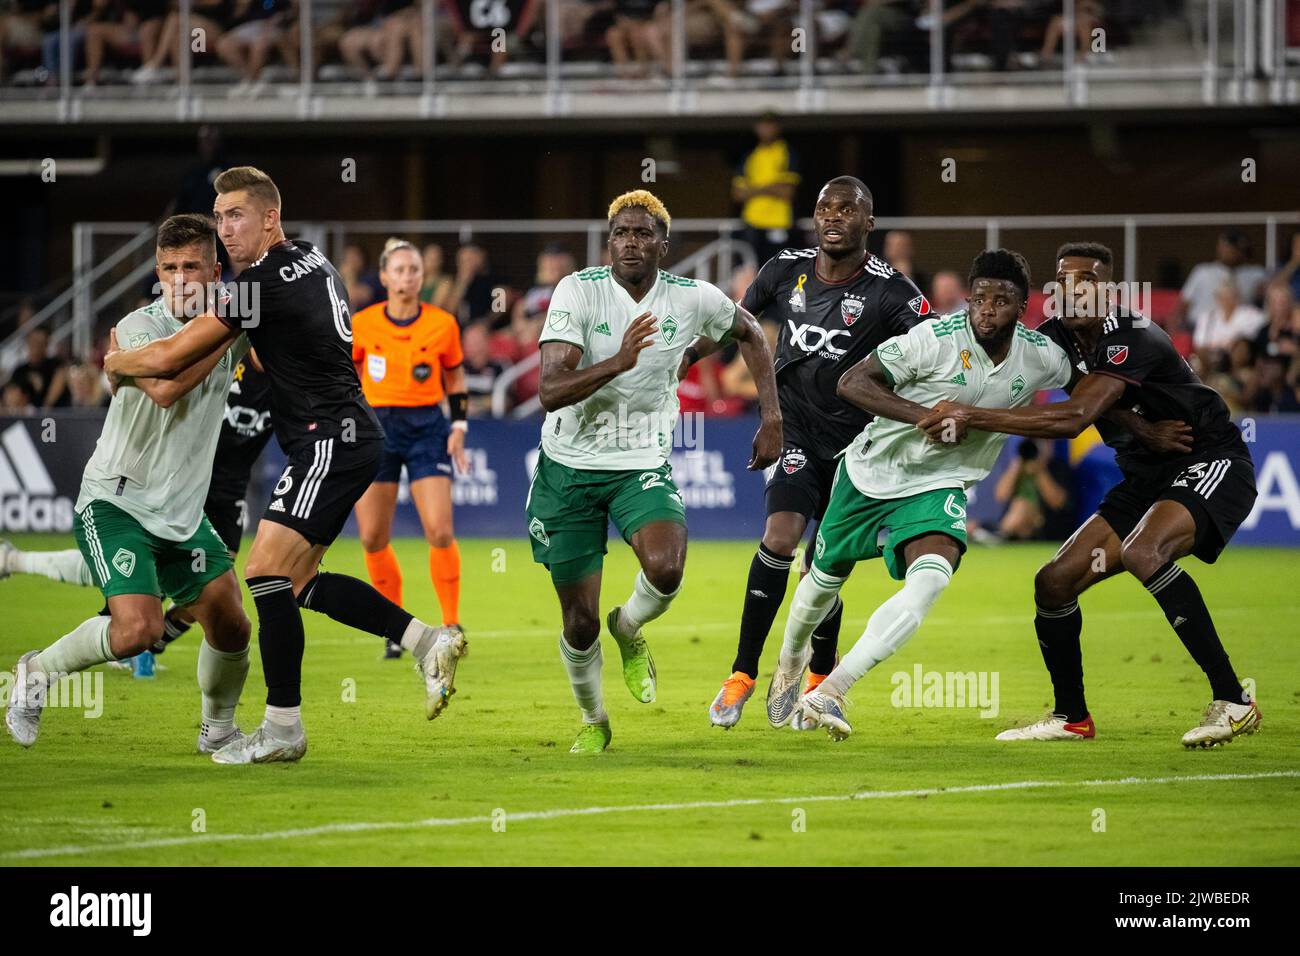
{"x": 647, "y": 201}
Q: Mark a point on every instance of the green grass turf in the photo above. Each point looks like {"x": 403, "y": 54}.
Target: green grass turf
{"x": 131, "y": 775}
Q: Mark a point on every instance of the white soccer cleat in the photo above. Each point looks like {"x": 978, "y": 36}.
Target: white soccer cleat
{"x": 7, "y": 551}
{"x": 26, "y": 701}
{"x": 725, "y": 710}
{"x": 782, "y": 695}
{"x": 208, "y": 744}
{"x": 261, "y": 746}
{"x": 819, "y": 708}
{"x": 1222, "y": 721}
{"x": 438, "y": 668}
{"x": 1052, "y": 727}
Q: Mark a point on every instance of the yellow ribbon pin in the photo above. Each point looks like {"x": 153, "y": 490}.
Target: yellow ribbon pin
{"x": 799, "y": 285}
{"x": 965, "y": 358}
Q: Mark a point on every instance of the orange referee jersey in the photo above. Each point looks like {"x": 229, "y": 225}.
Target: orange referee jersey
{"x": 400, "y": 361}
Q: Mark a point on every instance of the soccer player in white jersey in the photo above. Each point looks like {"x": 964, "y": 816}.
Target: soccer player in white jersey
{"x": 613, "y": 340}
{"x": 139, "y": 519}
{"x": 894, "y": 480}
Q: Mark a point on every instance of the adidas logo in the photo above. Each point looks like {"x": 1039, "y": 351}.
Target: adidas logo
{"x": 758, "y": 594}
{"x": 958, "y": 379}
{"x": 277, "y": 505}
{"x": 1179, "y": 620}
{"x": 603, "y": 329}
{"x": 28, "y": 499}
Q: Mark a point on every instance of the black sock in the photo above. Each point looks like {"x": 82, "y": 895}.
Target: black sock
{"x": 173, "y": 626}
{"x": 769, "y": 573}
{"x": 825, "y": 640}
{"x": 1058, "y": 638}
{"x": 280, "y": 637}
{"x": 1180, "y": 599}
{"x": 356, "y": 604}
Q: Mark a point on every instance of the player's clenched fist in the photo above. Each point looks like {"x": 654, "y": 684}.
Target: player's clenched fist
{"x": 946, "y": 423}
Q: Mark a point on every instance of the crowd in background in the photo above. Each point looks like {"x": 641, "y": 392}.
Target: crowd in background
{"x": 379, "y": 39}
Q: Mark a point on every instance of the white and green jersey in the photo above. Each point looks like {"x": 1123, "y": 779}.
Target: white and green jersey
{"x": 629, "y": 421}
{"x": 939, "y": 360}
{"x": 153, "y": 462}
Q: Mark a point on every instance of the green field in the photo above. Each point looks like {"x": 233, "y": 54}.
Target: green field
{"x": 381, "y": 785}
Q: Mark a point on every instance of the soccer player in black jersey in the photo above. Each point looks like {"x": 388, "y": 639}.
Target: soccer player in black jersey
{"x": 293, "y": 305}
{"x": 835, "y": 304}
{"x": 1186, "y": 501}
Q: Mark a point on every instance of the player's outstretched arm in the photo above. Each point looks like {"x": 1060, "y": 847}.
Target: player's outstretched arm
{"x": 563, "y": 384}
{"x": 166, "y": 358}
{"x": 758, "y": 359}
{"x": 1091, "y": 398}
{"x": 165, "y": 392}
{"x": 867, "y": 387}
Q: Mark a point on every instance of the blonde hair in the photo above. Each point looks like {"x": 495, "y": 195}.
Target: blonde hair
{"x": 647, "y": 201}
{"x": 253, "y": 180}
{"x": 395, "y": 244}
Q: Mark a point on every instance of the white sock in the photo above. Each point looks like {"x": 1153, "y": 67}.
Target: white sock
{"x": 813, "y": 600}
{"x": 283, "y": 721}
{"x": 894, "y": 622}
{"x": 584, "y": 675}
{"x": 418, "y": 638}
{"x": 66, "y": 566}
{"x": 645, "y": 604}
{"x": 86, "y": 646}
{"x": 221, "y": 680}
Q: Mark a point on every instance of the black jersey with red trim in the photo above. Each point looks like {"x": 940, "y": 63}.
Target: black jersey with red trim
{"x": 826, "y": 329}
{"x": 1159, "y": 385}
{"x": 294, "y": 307}
{"x": 244, "y": 433}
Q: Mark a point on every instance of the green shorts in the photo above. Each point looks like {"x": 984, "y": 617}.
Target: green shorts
{"x": 124, "y": 558}
{"x": 569, "y": 510}
{"x": 851, "y": 530}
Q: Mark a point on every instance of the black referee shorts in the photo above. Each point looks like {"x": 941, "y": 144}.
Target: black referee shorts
{"x": 800, "y": 482}
{"x": 321, "y": 484}
{"x": 1219, "y": 493}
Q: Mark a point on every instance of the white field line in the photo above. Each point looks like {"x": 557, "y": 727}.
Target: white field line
{"x": 362, "y": 827}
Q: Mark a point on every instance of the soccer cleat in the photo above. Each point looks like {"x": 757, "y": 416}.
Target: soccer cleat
{"x": 392, "y": 650}
{"x": 592, "y": 739}
{"x": 822, "y": 709}
{"x": 262, "y": 747}
{"x": 7, "y": 552}
{"x": 210, "y": 745}
{"x": 438, "y": 668}
{"x": 26, "y": 701}
{"x": 725, "y": 710}
{"x": 782, "y": 695}
{"x": 798, "y": 721}
{"x": 1052, "y": 727}
{"x": 1222, "y": 721}
{"x": 638, "y": 665}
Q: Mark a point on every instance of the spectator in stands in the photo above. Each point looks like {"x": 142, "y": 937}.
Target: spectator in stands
{"x": 1088, "y": 16}
{"x": 553, "y": 264}
{"x": 947, "y": 292}
{"x": 1289, "y": 274}
{"x": 765, "y": 186}
{"x": 362, "y": 285}
{"x": 87, "y": 385}
{"x": 706, "y": 22}
{"x": 875, "y": 20}
{"x": 1228, "y": 321}
{"x": 1275, "y": 390}
{"x": 1281, "y": 336}
{"x": 208, "y": 16}
{"x": 633, "y": 38}
{"x": 899, "y": 251}
{"x": 770, "y": 21}
{"x": 437, "y": 283}
{"x": 1232, "y": 253}
{"x": 383, "y": 33}
{"x": 471, "y": 295}
{"x": 1029, "y": 490}
{"x": 128, "y": 30}
{"x": 43, "y": 377}
{"x": 15, "y": 401}
{"x": 481, "y": 369}
{"x": 52, "y": 40}
{"x": 257, "y": 27}
{"x": 21, "y": 28}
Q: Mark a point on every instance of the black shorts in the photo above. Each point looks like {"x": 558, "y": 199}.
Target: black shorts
{"x": 800, "y": 482}
{"x": 229, "y": 517}
{"x": 1219, "y": 492}
{"x": 321, "y": 484}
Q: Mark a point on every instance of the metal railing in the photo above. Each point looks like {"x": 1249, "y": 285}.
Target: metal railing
{"x": 1252, "y": 65}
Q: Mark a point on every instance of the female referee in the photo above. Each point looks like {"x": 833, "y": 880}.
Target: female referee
{"x": 408, "y": 356}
